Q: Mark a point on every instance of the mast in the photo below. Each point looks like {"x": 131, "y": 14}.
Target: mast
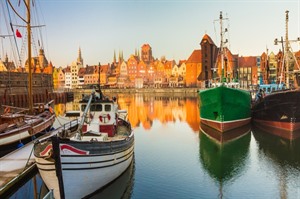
{"x": 221, "y": 46}
{"x": 30, "y": 101}
{"x": 287, "y": 48}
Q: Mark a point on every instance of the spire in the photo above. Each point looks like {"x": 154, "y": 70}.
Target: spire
{"x": 6, "y": 58}
{"x": 79, "y": 59}
{"x": 114, "y": 57}
{"x": 120, "y": 59}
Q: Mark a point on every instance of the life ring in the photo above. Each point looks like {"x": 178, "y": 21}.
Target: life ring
{"x": 41, "y": 108}
{"x": 7, "y": 110}
{"x": 51, "y": 109}
{"x": 105, "y": 118}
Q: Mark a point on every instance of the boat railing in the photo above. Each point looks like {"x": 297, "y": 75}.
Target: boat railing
{"x": 49, "y": 195}
{"x": 73, "y": 124}
{"x": 123, "y": 114}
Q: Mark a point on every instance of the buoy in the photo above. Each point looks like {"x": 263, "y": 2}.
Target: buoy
{"x": 20, "y": 145}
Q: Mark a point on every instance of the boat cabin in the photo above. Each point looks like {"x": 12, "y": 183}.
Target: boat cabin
{"x": 101, "y": 117}
{"x": 269, "y": 88}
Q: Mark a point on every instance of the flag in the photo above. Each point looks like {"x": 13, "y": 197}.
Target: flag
{"x": 18, "y": 34}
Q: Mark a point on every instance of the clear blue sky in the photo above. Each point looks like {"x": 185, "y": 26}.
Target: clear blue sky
{"x": 173, "y": 28}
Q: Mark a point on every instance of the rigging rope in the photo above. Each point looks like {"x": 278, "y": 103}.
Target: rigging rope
{"x": 13, "y": 32}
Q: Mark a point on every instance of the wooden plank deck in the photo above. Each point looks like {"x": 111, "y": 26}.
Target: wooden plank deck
{"x": 15, "y": 166}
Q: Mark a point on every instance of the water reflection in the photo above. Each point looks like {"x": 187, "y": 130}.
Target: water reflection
{"x": 143, "y": 109}
{"x": 284, "y": 152}
{"x": 283, "y": 157}
{"x": 223, "y": 156}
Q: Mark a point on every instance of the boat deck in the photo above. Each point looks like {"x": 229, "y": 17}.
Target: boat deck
{"x": 15, "y": 165}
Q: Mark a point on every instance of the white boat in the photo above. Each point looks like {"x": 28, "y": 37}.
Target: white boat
{"x": 76, "y": 161}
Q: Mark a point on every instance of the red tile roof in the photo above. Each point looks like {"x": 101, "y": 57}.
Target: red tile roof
{"x": 196, "y": 57}
{"x": 206, "y": 37}
{"x": 247, "y": 61}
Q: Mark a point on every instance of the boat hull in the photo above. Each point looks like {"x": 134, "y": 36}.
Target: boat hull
{"x": 224, "y": 108}
{"x": 26, "y": 131}
{"x": 85, "y": 166}
{"x": 279, "y": 110}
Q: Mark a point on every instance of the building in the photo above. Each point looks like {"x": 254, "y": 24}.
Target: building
{"x": 193, "y": 69}
{"x": 247, "y": 71}
{"x": 68, "y": 77}
{"x": 146, "y": 52}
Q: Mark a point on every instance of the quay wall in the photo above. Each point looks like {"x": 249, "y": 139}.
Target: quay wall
{"x": 151, "y": 90}
{"x": 21, "y": 99}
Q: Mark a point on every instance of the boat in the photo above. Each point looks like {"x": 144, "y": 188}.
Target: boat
{"x": 17, "y": 126}
{"x": 122, "y": 187}
{"x": 224, "y": 106}
{"x": 224, "y": 160}
{"x": 18, "y": 123}
{"x": 281, "y": 133}
{"x": 280, "y": 107}
{"x": 75, "y": 161}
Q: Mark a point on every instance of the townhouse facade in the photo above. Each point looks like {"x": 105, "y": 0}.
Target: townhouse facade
{"x": 201, "y": 69}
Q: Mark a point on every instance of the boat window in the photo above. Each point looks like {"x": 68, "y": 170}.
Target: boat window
{"x": 107, "y": 107}
{"x": 83, "y": 107}
{"x": 99, "y": 107}
{"x": 96, "y": 107}
{"x": 93, "y": 108}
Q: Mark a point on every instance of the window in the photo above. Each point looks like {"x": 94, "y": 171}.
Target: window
{"x": 107, "y": 107}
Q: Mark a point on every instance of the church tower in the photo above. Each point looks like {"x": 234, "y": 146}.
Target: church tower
{"x": 79, "y": 59}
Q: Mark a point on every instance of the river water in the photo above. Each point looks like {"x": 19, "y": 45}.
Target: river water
{"x": 175, "y": 159}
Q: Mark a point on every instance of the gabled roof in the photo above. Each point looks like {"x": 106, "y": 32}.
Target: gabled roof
{"x": 169, "y": 64}
{"x": 81, "y": 71}
{"x": 206, "y": 37}
{"x": 104, "y": 68}
{"x": 67, "y": 70}
{"x": 196, "y": 57}
{"x": 181, "y": 62}
{"x": 89, "y": 70}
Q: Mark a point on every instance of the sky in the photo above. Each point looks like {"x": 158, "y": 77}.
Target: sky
{"x": 173, "y": 28}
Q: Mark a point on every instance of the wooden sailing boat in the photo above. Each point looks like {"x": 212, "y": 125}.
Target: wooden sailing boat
{"x": 17, "y": 123}
{"x": 281, "y": 109}
{"x": 224, "y": 107}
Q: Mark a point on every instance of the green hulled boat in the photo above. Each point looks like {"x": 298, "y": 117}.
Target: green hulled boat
{"x": 224, "y": 106}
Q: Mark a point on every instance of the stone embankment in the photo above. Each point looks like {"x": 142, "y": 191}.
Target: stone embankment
{"x": 21, "y": 100}
{"x": 152, "y": 90}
